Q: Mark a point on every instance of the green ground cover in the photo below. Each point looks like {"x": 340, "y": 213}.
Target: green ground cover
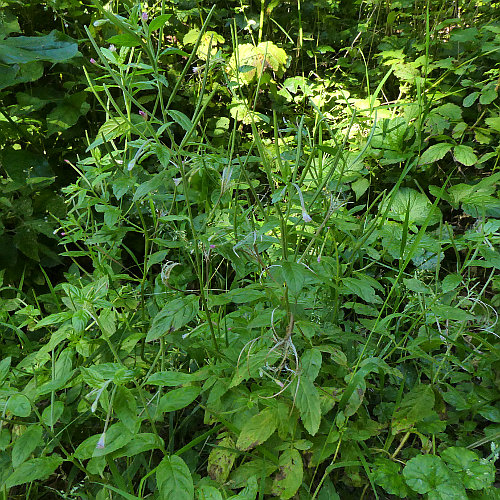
{"x": 249, "y": 249}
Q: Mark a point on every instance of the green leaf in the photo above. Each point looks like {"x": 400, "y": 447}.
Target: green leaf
{"x": 494, "y": 123}
{"x": 414, "y": 407}
{"x": 163, "y": 154}
{"x": 140, "y": 443}
{"x": 19, "y": 405}
{"x": 178, "y": 398}
{"x": 54, "y": 47}
{"x": 173, "y": 316}
{"x": 52, "y": 413}
{"x": 488, "y": 96}
{"x": 111, "y": 129}
{"x": 476, "y": 473}
{"x": 470, "y": 99}
{"x": 311, "y": 363}
{"x": 67, "y": 113}
{"x": 308, "y": 403}
{"x": 257, "y": 430}
{"x": 416, "y": 285}
{"x": 181, "y": 119}
{"x": 249, "y": 492}
{"x": 8, "y": 24}
{"x": 387, "y": 474}
{"x": 125, "y": 408}
{"x": 171, "y": 378}
{"x": 428, "y": 474}
{"x": 289, "y": 478}
{"x": 25, "y": 444}
{"x": 415, "y": 205}
{"x": 206, "y": 492}
{"x": 257, "y": 467}
{"x": 34, "y": 470}
{"x": 464, "y": 155}
{"x": 158, "y": 22}
{"x": 451, "y": 282}
{"x": 434, "y": 153}
{"x": 4, "y": 368}
{"x": 221, "y": 460}
{"x": 362, "y": 289}
{"x": 174, "y": 479}
{"x": 98, "y": 445}
{"x": 125, "y": 40}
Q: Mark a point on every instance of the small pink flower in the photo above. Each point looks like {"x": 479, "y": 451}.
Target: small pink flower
{"x": 319, "y": 259}
{"x": 212, "y": 246}
{"x": 144, "y": 16}
{"x": 92, "y": 60}
{"x": 112, "y": 48}
{"x": 143, "y": 114}
{"x": 63, "y": 234}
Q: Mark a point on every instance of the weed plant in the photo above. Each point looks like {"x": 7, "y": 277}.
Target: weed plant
{"x": 298, "y": 308}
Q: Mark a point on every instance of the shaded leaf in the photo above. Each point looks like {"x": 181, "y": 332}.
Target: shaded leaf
{"x": 173, "y": 316}
{"x": 414, "y": 407}
{"x": 25, "y": 444}
{"x": 34, "y": 470}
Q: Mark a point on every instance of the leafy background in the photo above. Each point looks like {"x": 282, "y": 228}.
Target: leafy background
{"x": 249, "y": 250}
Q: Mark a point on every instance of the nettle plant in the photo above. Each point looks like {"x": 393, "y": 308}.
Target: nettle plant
{"x": 242, "y": 323}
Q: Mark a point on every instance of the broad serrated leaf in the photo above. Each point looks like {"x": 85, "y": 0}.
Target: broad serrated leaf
{"x": 174, "y": 479}
{"x": 257, "y": 430}
{"x": 476, "y": 473}
{"x": 387, "y": 474}
{"x": 434, "y": 153}
{"x": 412, "y": 205}
{"x": 178, "y": 398}
{"x": 310, "y": 363}
{"x": 173, "y": 316}
{"x": 308, "y": 402}
{"x": 181, "y": 119}
{"x": 413, "y": 408}
{"x": 34, "y": 470}
{"x": 429, "y": 474}
{"x": 465, "y": 155}
{"x": 289, "y": 476}
{"x": 111, "y": 129}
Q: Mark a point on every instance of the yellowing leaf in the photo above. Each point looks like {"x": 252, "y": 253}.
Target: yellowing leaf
{"x": 257, "y": 430}
{"x": 289, "y": 476}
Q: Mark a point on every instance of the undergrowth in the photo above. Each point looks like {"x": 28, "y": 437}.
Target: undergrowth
{"x": 267, "y": 303}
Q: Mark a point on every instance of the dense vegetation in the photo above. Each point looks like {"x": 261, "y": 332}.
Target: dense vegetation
{"x": 250, "y": 249}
